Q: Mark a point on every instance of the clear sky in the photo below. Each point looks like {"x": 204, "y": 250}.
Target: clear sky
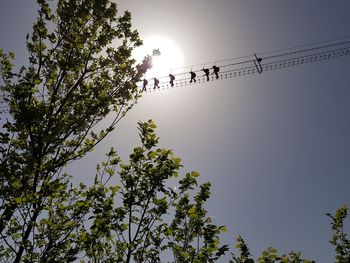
{"x": 275, "y": 146}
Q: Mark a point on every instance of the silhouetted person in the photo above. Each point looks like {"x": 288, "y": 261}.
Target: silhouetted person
{"x": 156, "y": 82}
{"x": 206, "y": 71}
{"x": 193, "y": 76}
{"x": 216, "y": 71}
{"x": 172, "y": 78}
{"x": 145, "y": 83}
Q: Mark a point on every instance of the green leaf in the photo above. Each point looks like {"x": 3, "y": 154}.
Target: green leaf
{"x": 151, "y": 155}
{"x": 169, "y": 232}
{"x": 110, "y": 171}
{"x": 223, "y": 229}
{"x": 177, "y": 160}
{"x": 273, "y": 250}
{"x": 192, "y": 210}
{"x": 12, "y": 54}
{"x": 20, "y": 200}
{"x": 16, "y": 184}
{"x": 153, "y": 125}
{"x": 194, "y": 174}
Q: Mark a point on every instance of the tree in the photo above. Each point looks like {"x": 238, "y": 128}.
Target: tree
{"x": 123, "y": 222}
{"x": 148, "y": 214}
{"x": 76, "y": 76}
{"x": 267, "y": 256}
{"x": 157, "y": 212}
{"x": 339, "y": 240}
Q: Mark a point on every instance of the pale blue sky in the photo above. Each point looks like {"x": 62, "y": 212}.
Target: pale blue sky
{"x": 275, "y": 146}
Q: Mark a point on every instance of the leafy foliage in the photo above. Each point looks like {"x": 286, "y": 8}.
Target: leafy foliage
{"x": 80, "y": 70}
{"x": 121, "y": 222}
{"x": 340, "y": 240}
{"x": 140, "y": 227}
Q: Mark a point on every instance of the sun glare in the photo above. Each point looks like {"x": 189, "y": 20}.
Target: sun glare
{"x": 169, "y": 59}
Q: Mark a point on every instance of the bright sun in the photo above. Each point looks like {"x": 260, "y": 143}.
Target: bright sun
{"x": 170, "y": 58}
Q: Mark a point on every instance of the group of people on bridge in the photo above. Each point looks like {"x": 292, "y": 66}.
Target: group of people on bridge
{"x": 193, "y": 77}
